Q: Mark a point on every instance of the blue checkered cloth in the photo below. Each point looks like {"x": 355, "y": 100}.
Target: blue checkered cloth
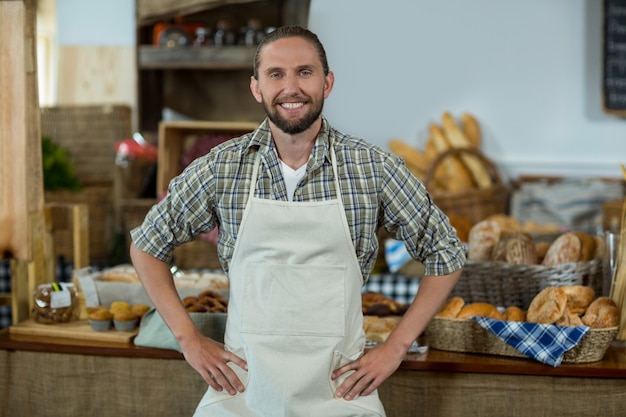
{"x": 545, "y": 343}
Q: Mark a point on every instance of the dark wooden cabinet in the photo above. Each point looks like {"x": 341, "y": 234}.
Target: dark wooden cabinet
{"x": 202, "y": 82}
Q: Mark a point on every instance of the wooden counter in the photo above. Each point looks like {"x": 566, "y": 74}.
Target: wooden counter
{"x": 46, "y": 376}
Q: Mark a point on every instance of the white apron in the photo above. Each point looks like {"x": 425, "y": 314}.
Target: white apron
{"x": 294, "y": 312}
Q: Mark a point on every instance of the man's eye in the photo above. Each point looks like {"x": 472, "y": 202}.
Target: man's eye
{"x": 275, "y": 75}
{"x": 305, "y": 73}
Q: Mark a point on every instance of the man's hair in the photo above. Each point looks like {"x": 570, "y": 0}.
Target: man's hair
{"x": 291, "y": 32}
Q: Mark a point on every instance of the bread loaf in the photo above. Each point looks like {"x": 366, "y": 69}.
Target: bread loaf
{"x": 471, "y": 129}
{"x": 378, "y": 329}
{"x": 566, "y": 248}
{"x": 482, "y": 238}
{"x": 415, "y": 160}
{"x": 480, "y": 173}
{"x": 516, "y": 248}
{"x": 579, "y": 297}
{"x": 459, "y": 178}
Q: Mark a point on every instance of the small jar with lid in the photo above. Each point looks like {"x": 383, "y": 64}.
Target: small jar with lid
{"x": 203, "y": 37}
{"x": 224, "y": 36}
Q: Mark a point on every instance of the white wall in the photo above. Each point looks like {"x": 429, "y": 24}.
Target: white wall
{"x": 530, "y": 71}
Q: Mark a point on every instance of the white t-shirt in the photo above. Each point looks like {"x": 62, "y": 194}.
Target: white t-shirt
{"x": 292, "y": 177}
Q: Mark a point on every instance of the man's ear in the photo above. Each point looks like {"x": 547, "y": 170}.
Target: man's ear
{"x": 254, "y": 87}
{"x": 328, "y": 84}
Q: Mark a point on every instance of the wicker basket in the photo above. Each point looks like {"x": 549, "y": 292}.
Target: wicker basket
{"x": 468, "y": 336}
{"x": 89, "y": 132}
{"x": 504, "y": 284}
{"x": 472, "y": 204}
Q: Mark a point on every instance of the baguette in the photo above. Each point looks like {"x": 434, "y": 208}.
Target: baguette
{"x": 459, "y": 178}
{"x": 457, "y": 138}
{"x": 471, "y": 129}
{"x": 415, "y": 160}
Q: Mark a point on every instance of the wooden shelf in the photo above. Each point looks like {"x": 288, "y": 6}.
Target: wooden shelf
{"x": 204, "y": 57}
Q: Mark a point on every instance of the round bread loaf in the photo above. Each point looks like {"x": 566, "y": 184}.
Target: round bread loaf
{"x": 451, "y": 307}
{"x": 601, "y": 314}
{"x": 566, "y": 248}
{"x": 482, "y": 238}
{"x": 480, "y": 309}
{"x": 587, "y": 246}
{"x": 548, "y": 306}
{"x": 515, "y": 248}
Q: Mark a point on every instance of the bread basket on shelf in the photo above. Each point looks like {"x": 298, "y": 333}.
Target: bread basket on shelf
{"x": 504, "y": 284}
{"x": 473, "y": 204}
{"x": 457, "y": 335}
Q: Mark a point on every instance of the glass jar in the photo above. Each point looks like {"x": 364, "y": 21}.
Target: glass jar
{"x": 55, "y": 303}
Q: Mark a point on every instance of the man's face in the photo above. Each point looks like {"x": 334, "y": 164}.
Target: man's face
{"x": 291, "y": 85}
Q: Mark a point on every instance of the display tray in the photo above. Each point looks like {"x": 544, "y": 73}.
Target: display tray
{"x": 468, "y": 336}
{"x": 79, "y": 329}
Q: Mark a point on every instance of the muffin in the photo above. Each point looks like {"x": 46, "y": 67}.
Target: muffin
{"x": 140, "y": 310}
{"x": 119, "y": 306}
{"x": 124, "y": 320}
{"x": 100, "y": 319}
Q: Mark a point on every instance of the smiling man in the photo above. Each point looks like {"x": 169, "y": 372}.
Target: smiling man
{"x": 298, "y": 205}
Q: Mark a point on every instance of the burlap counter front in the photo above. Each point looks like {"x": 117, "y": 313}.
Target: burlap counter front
{"x": 57, "y": 384}
{"x": 446, "y": 394}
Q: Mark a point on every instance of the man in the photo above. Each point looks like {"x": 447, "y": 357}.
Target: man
{"x": 298, "y": 205}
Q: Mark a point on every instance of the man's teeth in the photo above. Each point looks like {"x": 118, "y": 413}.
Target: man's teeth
{"x": 291, "y": 105}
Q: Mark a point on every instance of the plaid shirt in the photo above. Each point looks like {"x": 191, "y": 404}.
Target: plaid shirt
{"x": 376, "y": 189}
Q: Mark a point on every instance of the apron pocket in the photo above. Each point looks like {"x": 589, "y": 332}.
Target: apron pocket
{"x": 303, "y": 300}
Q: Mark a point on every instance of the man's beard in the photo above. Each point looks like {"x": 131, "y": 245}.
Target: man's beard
{"x": 293, "y": 127}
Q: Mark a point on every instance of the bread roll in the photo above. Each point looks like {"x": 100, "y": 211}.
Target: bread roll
{"x": 482, "y": 238}
{"x": 566, "y": 248}
{"x": 451, "y": 307}
{"x": 516, "y": 248}
{"x": 569, "y": 319}
{"x": 514, "y": 313}
{"x": 602, "y": 313}
{"x": 481, "y": 310}
{"x": 578, "y": 297}
{"x": 548, "y": 306}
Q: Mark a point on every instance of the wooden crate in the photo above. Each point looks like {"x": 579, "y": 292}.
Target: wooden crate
{"x": 174, "y": 138}
{"x": 98, "y": 199}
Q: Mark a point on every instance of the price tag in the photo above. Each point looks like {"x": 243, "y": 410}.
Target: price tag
{"x": 61, "y": 298}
